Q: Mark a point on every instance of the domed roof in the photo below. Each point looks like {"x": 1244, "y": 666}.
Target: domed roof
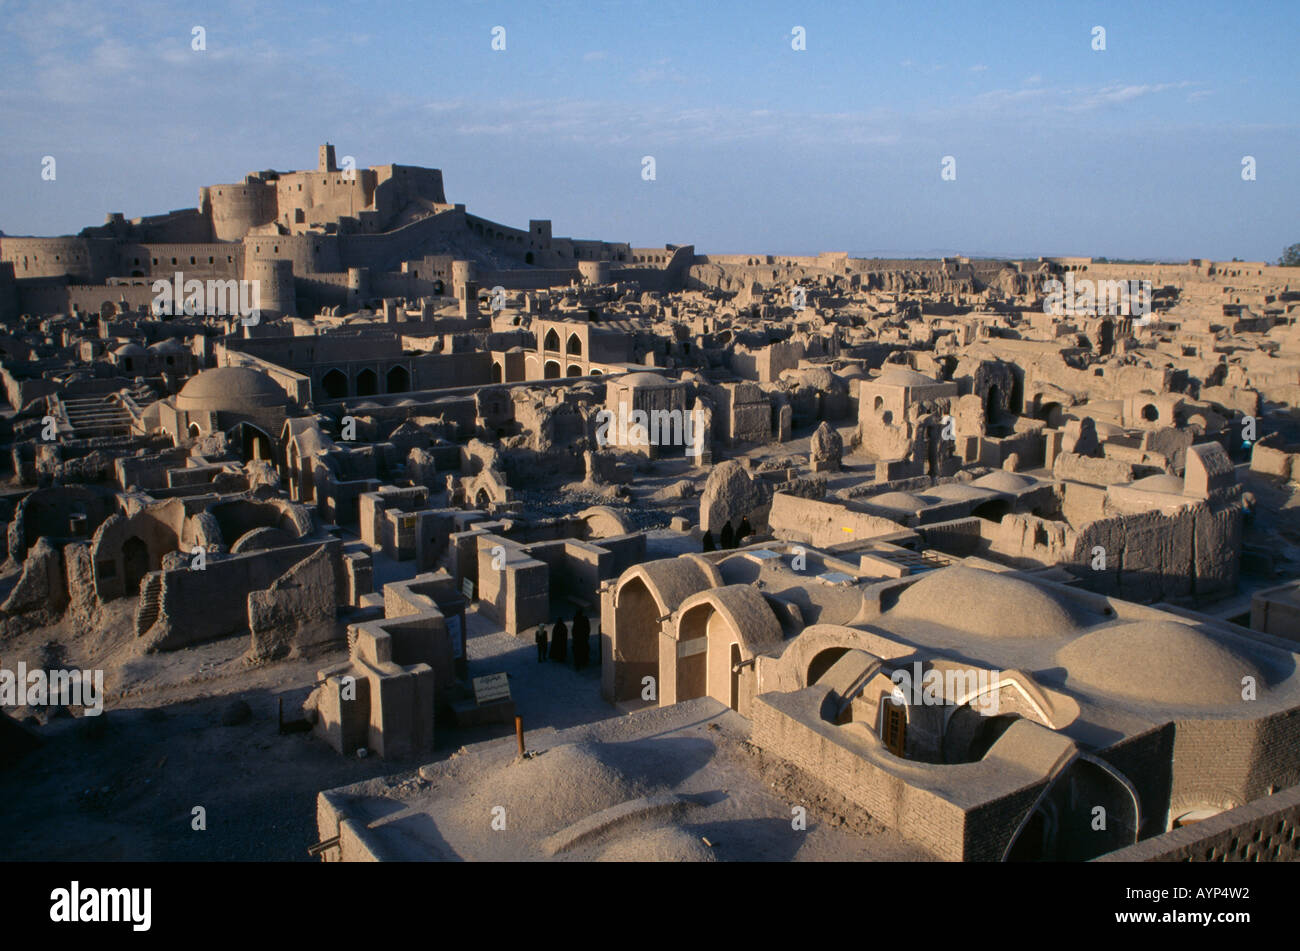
{"x": 959, "y": 491}
{"x": 170, "y": 345}
{"x": 131, "y": 350}
{"x": 902, "y": 501}
{"x": 1003, "y": 481}
{"x": 230, "y": 388}
{"x": 645, "y": 378}
{"x": 988, "y": 604}
{"x": 902, "y": 376}
{"x": 1160, "y": 482}
{"x": 1160, "y": 661}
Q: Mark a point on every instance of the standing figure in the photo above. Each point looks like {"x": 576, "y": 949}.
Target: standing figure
{"x": 728, "y": 538}
{"x": 540, "y": 638}
{"x": 581, "y": 640}
{"x": 559, "y": 642}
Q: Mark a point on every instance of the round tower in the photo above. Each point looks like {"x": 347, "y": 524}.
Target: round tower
{"x": 594, "y": 272}
{"x": 275, "y": 287}
{"x": 462, "y": 273}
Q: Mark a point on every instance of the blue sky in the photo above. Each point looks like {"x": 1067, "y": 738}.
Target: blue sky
{"x": 1134, "y": 151}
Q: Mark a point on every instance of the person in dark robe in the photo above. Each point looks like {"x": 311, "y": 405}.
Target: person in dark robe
{"x": 728, "y": 537}
{"x": 708, "y": 542}
{"x": 581, "y": 640}
{"x": 540, "y": 638}
{"x": 744, "y": 531}
{"x": 559, "y": 642}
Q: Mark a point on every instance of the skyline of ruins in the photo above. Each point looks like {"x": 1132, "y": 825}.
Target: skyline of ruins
{"x": 1130, "y": 152}
{"x": 615, "y": 431}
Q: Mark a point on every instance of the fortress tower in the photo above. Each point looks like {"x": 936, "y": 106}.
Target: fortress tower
{"x": 326, "y": 162}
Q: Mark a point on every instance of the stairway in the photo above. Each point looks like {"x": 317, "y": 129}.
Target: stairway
{"x": 92, "y": 416}
{"x": 150, "y": 603}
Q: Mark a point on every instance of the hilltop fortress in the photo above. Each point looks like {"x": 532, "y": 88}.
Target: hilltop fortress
{"x": 760, "y": 487}
{"x": 341, "y": 238}
{"x": 327, "y": 237}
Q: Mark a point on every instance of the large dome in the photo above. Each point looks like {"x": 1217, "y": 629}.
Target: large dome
{"x": 988, "y": 604}
{"x": 232, "y": 389}
{"x": 1161, "y": 662}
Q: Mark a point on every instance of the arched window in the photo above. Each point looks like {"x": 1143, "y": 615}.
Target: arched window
{"x": 367, "y": 383}
{"x": 399, "y": 380}
{"x": 335, "y": 384}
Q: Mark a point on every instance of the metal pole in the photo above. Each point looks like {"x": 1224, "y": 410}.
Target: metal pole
{"x": 519, "y": 733}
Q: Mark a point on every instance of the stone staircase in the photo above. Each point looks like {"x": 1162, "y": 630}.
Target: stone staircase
{"x": 91, "y": 416}
{"x": 150, "y": 603}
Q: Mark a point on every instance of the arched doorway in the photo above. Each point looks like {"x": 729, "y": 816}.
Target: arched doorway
{"x": 1107, "y": 342}
{"x": 552, "y": 341}
{"x": 254, "y": 444}
{"x": 573, "y": 370}
{"x": 992, "y": 405}
{"x": 399, "y": 380}
{"x": 1063, "y": 826}
{"x": 637, "y": 639}
{"x": 573, "y": 345}
{"x": 135, "y": 563}
{"x": 335, "y": 384}
{"x": 992, "y": 510}
{"x": 367, "y": 383}
{"x": 551, "y": 371}
{"x": 496, "y": 372}
{"x": 822, "y": 662}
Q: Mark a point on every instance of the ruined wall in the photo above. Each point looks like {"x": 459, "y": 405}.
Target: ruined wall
{"x": 198, "y": 606}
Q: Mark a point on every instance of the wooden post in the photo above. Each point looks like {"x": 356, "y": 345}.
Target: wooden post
{"x": 519, "y": 733}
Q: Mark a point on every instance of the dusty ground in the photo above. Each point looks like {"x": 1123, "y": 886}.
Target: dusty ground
{"x": 696, "y": 790}
{"x": 123, "y": 786}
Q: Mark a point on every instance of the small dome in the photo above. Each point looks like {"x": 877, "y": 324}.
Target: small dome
{"x": 898, "y": 501}
{"x": 235, "y": 389}
{"x": 1161, "y": 482}
{"x": 902, "y": 376}
{"x": 131, "y": 350}
{"x": 988, "y": 604}
{"x": 645, "y": 379}
{"x": 959, "y": 492}
{"x": 1003, "y": 481}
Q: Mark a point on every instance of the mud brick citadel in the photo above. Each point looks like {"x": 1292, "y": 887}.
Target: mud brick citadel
{"x": 904, "y": 544}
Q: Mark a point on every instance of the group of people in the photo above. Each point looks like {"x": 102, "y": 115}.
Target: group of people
{"x": 729, "y": 539}
{"x": 556, "y": 647}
